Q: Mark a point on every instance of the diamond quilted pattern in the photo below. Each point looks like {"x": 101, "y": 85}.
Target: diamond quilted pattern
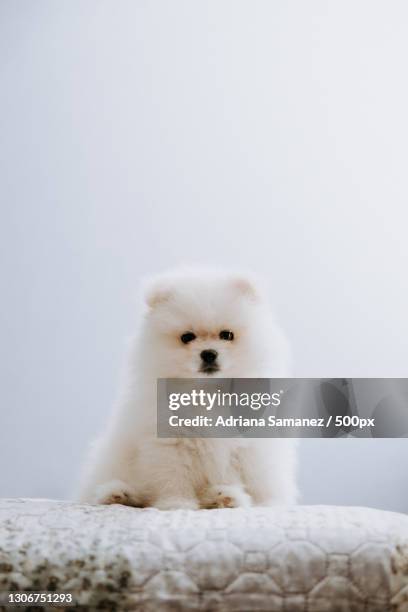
{"x": 303, "y": 559}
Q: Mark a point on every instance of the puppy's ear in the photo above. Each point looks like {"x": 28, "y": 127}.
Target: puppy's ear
{"x": 157, "y": 292}
{"x": 246, "y": 287}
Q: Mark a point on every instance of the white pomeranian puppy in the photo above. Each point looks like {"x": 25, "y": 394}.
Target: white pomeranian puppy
{"x": 197, "y": 324}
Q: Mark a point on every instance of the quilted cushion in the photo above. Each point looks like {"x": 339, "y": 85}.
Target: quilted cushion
{"x": 310, "y": 558}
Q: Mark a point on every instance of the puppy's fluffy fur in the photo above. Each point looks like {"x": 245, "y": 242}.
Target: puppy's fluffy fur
{"x": 130, "y": 465}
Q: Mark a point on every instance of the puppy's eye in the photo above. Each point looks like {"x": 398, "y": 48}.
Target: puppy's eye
{"x": 187, "y": 337}
{"x": 225, "y": 334}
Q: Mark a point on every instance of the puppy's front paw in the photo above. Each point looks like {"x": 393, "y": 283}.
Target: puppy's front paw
{"x": 175, "y": 503}
{"x": 225, "y": 496}
{"x": 113, "y": 492}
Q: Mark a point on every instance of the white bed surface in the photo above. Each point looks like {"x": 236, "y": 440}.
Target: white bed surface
{"x": 306, "y": 559}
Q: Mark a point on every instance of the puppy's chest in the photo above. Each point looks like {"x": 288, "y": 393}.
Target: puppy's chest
{"x": 209, "y": 455}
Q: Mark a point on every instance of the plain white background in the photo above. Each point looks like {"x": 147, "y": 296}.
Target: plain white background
{"x": 137, "y": 135}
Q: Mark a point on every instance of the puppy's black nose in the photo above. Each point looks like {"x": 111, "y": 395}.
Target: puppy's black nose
{"x": 209, "y": 356}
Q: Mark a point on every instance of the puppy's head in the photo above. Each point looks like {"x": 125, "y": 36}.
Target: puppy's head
{"x": 209, "y": 324}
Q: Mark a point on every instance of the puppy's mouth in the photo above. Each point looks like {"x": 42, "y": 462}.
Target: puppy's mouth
{"x": 209, "y": 369}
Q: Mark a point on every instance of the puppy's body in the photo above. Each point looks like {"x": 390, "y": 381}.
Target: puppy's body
{"x": 196, "y": 325}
